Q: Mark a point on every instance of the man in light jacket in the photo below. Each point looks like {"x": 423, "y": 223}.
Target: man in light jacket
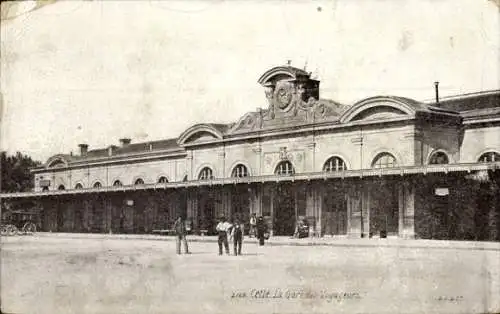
{"x": 223, "y": 228}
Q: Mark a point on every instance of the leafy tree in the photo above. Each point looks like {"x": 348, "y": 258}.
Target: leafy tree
{"x": 16, "y": 176}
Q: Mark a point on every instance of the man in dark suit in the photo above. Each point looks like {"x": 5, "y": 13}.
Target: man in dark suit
{"x": 180, "y": 234}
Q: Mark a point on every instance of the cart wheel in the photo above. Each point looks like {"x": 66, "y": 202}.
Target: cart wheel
{"x": 29, "y": 227}
{"x": 11, "y": 230}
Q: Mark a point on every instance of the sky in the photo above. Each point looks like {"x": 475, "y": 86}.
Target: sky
{"x": 95, "y": 71}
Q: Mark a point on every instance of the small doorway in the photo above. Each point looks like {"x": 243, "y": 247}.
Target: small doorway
{"x": 284, "y": 209}
{"x": 206, "y": 210}
{"x": 60, "y": 217}
{"x": 240, "y": 203}
{"x": 384, "y": 209}
{"x": 334, "y": 211}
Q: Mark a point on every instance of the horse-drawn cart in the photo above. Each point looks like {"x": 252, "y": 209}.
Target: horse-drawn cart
{"x": 19, "y": 222}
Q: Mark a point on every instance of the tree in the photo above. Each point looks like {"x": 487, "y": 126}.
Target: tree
{"x": 16, "y": 176}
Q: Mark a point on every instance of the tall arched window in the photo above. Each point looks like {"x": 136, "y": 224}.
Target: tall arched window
{"x": 97, "y": 185}
{"x": 489, "y": 157}
{"x": 439, "y": 158}
{"x": 206, "y": 174}
{"x": 61, "y": 187}
{"x": 239, "y": 171}
{"x": 284, "y": 168}
{"x": 163, "y": 179}
{"x": 78, "y": 186}
{"x": 139, "y": 181}
{"x": 384, "y": 160}
{"x": 334, "y": 164}
{"x": 117, "y": 183}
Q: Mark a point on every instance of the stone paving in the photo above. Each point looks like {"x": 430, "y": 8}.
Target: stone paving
{"x": 75, "y": 273}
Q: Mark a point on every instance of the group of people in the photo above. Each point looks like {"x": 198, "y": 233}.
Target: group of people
{"x": 226, "y": 232}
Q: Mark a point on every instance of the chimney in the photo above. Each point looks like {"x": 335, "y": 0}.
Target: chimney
{"x": 124, "y": 141}
{"x": 436, "y": 88}
{"x": 83, "y": 149}
{"x": 111, "y": 150}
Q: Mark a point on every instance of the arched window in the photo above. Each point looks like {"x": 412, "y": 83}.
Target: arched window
{"x": 117, "y": 183}
{"x": 284, "y": 168}
{"x": 439, "y": 158}
{"x": 78, "y": 186}
{"x": 384, "y": 160}
{"x": 45, "y": 188}
{"x": 61, "y": 187}
{"x": 239, "y": 171}
{"x": 97, "y": 185}
{"x": 334, "y": 164}
{"x": 489, "y": 157}
{"x": 206, "y": 174}
{"x": 139, "y": 181}
{"x": 163, "y": 179}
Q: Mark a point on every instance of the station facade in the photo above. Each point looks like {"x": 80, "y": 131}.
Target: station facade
{"x": 383, "y": 166}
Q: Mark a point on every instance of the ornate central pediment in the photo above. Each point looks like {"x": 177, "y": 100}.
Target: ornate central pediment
{"x": 293, "y": 99}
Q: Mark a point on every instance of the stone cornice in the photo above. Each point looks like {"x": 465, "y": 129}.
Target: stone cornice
{"x": 306, "y": 176}
{"x": 114, "y": 160}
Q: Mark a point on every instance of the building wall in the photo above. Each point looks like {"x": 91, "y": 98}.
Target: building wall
{"x": 477, "y": 141}
{"x": 296, "y": 150}
{"x": 359, "y": 148}
{"x": 247, "y": 154}
{"x": 440, "y": 138}
{"x": 394, "y": 140}
{"x": 207, "y": 157}
{"x": 342, "y": 145}
{"x": 470, "y": 211}
{"x": 173, "y": 169}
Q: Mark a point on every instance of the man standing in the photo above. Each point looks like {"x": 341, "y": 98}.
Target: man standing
{"x": 253, "y": 225}
{"x": 222, "y": 228}
{"x": 261, "y": 230}
{"x": 237, "y": 236}
{"x": 180, "y": 234}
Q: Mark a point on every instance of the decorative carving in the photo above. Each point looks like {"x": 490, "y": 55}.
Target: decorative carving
{"x": 283, "y": 97}
{"x": 269, "y": 160}
{"x": 283, "y": 153}
{"x": 293, "y": 99}
{"x": 298, "y": 157}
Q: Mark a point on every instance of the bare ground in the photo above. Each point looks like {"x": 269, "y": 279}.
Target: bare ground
{"x": 61, "y": 275}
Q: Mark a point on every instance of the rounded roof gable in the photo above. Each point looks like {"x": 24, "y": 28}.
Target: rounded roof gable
{"x": 287, "y": 71}
{"x": 405, "y": 105}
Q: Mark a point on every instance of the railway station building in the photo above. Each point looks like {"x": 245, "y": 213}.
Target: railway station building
{"x": 383, "y": 166}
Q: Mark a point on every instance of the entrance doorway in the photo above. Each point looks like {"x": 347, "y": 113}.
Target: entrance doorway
{"x": 60, "y": 217}
{"x": 206, "y": 209}
{"x": 384, "y": 209}
{"x": 334, "y": 211}
{"x": 284, "y": 209}
{"x": 240, "y": 203}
